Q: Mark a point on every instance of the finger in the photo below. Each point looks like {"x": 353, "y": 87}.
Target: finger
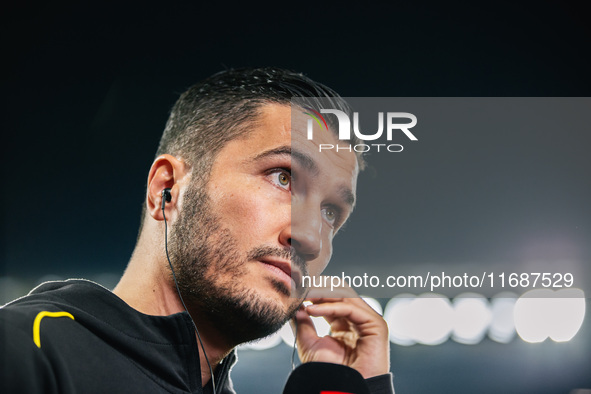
{"x": 306, "y": 332}
{"x": 355, "y": 313}
{"x": 317, "y": 300}
{"x": 356, "y": 301}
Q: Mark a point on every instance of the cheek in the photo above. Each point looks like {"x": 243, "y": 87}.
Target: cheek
{"x": 317, "y": 266}
{"x": 250, "y": 212}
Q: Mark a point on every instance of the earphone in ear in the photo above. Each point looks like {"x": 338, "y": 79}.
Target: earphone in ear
{"x": 166, "y": 196}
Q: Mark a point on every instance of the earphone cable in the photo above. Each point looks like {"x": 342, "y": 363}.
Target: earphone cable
{"x": 183, "y": 302}
{"x": 295, "y": 340}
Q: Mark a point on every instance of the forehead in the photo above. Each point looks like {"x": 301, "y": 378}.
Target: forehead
{"x": 279, "y": 131}
{"x": 281, "y": 125}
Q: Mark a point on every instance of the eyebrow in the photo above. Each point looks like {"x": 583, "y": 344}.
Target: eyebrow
{"x": 282, "y": 150}
{"x": 345, "y": 193}
{"x": 304, "y": 160}
{"x": 347, "y": 196}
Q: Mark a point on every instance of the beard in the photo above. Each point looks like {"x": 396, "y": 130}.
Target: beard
{"x": 203, "y": 253}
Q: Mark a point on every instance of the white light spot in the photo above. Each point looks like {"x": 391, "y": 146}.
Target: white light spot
{"x": 472, "y": 317}
{"x": 531, "y": 315}
{"x": 397, "y": 316}
{"x": 321, "y": 325}
{"x": 568, "y": 311}
{"x": 286, "y": 334}
{"x": 431, "y": 319}
{"x": 502, "y": 327}
{"x": 543, "y": 313}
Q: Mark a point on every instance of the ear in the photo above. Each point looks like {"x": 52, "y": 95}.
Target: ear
{"x": 166, "y": 173}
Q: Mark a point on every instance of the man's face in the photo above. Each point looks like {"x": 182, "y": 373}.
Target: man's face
{"x": 268, "y": 213}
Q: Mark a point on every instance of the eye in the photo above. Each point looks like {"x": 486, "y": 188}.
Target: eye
{"x": 331, "y": 215}
{"x": 281, "y": 178}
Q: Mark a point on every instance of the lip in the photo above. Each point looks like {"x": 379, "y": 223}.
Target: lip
{"x": 284, "y": 266}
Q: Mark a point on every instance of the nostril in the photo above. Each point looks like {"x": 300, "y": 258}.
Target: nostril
{"x": 309, "y": 250}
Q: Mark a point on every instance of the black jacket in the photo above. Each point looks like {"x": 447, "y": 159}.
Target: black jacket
{"x": 99, "y": 345}
{"x": 75, "y": 336}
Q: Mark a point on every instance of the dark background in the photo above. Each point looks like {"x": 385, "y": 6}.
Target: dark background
{"x": 87, "y": 90}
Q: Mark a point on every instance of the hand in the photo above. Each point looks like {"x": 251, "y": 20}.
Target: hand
{"x": 358, "y": 338}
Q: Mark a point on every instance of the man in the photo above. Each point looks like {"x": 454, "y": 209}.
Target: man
{"x": 214, "y": 260}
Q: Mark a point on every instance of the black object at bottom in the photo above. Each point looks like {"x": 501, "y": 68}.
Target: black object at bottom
{"x": 314, "y": 378}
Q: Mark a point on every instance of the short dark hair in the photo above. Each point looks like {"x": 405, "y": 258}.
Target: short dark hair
{"x": 222, "y": 107}
{"x": 219, "y": 109}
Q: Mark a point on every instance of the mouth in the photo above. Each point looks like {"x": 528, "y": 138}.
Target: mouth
{"x": 283, "y": 271}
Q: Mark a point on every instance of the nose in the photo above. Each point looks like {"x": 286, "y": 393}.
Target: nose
{"x": 304, "y": 232}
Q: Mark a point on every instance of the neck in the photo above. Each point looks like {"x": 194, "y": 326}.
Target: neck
{"x": 147, "y": 286}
